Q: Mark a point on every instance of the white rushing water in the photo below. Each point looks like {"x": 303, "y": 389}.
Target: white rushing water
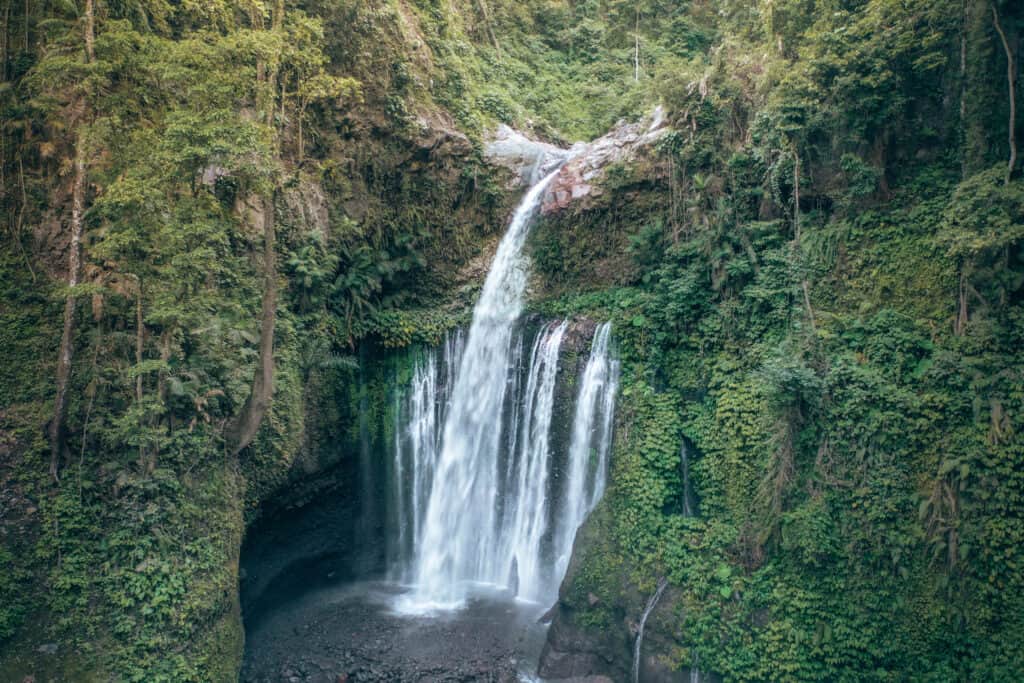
{"x": 590, "y": 445}
{"x": 479, "y": 494}
{"x": 652, "y": 602}
{"x": 459, "y": 541}
{"x": 525, "y": 502}
{"x": 418, "y": 422}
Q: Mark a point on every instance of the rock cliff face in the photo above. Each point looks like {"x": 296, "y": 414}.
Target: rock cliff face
{"x": 578, "y": 649}
{"x": 588, "y": 163}
{"x": 584, "y": 164}
{"x": 528, "y": 159}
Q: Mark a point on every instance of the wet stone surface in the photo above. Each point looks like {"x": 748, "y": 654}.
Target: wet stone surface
{"x": 351, "y": 634}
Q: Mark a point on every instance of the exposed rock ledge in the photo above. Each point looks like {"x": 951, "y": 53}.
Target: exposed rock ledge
{"x": 581, "y": 175}
{"x": 529, "y": 160}
{"x": 585, "y": 162}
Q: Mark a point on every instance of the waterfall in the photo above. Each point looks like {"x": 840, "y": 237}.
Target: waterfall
{"x": 652, "y": 602}
{"x": 526, "y": 496}
{"x": 419, "y": 415}
{"x": 479, "y": 494}
{"x": 590, "y": 445}
{"x": 458, "y": 541}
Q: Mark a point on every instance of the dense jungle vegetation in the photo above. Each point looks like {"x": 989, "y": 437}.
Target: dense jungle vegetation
{"x": 816, "y": 281}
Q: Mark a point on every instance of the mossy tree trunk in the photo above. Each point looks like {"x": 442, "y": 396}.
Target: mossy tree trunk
{"x": 242, "y": 429}
{"x": 65, "y": 353}
{"x": 1011, "y": 79}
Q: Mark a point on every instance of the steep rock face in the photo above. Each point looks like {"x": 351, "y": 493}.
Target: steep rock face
{"x": 583, "y": 647}
{"x": 317, "y": 520}
{"x": 585, "y": 163}
{"x": 293, "y": 548}
{"x": 588, "y": 163}
{"x": 575, "y": 649}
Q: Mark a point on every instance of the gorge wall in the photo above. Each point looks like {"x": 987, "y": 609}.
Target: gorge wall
{"x": 810, "y": 254}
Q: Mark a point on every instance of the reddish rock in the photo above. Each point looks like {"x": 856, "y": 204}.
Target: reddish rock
{"x": 588, "y": 162}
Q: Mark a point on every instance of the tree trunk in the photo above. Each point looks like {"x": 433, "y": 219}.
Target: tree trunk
{"x": 140, "y": 333}
{"x": 490, "y": 28}
{"x": 636, "y": 48}
{"x": 276, "y": 26}
{"x": 90, "y": 32}
{"x": 66, "y": 352}
{"x": 1011, "y": 77}
{"x": 6, "y": 38}
{"x": 963, "y": 89}
{"x": 242, "y": 429}
{"x": 302, "y": 147}
{"x": 978, "y": 101}
{"x": 165, "y": 356}
{"x": 796, "y": 195}
{"x": 961, "y": 312}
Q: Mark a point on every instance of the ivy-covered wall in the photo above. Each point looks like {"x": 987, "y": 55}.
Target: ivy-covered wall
{"x": 836, "y": 336}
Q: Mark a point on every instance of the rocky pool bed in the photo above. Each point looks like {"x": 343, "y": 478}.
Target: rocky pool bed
{"x": 352, "y": 633}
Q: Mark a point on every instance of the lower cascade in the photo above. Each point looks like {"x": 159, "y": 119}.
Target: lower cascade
{"x": 480, "y": 493}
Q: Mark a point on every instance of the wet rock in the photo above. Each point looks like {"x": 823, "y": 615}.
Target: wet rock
{"x": 581, "y": 175}
{"x": 356, "y": 632}
{"x": 529, "y": 160}
{"x": 576, "y": 654}
{"x": 548, "y": 616}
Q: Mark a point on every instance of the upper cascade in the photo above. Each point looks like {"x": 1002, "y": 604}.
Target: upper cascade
{"x": 529, "y": 159}
{"x": 480, "y": 500}
{"x": 458, "y": 541}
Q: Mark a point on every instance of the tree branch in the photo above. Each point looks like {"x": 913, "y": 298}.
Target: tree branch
{"x": 1011, "y": 77}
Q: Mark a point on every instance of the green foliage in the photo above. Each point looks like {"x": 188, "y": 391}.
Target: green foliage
{"x": 12, "y": 587}
{"x": 784, "y": 272}
{"x": 845, "y": 438}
